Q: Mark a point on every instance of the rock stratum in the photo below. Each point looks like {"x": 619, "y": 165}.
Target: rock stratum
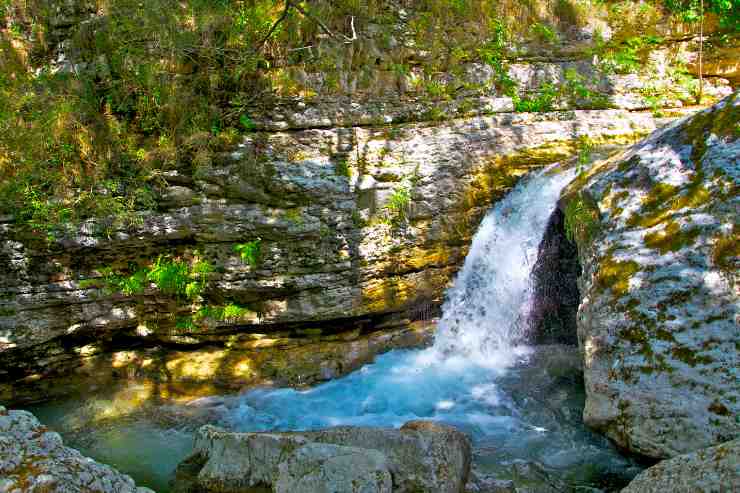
{"x": 657, "y": 234}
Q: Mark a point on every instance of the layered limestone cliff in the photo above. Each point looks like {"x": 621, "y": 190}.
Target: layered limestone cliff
{"x": 351, "y": 229}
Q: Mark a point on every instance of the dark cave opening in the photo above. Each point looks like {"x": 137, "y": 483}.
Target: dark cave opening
{"x": 552, "y": 319}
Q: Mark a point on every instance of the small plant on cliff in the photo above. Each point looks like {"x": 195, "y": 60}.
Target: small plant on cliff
{"x": 493, "y": 53}
{"x": 179, "y": 277}
{"x": 544, "y": 33}
{"x": 585, "y": 153}
{"x": 398, "y": 205}
{"x": 250, "y": 251}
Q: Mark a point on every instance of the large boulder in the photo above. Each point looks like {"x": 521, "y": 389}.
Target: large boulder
{"x": 713, "y": 469}
{"x": 421, "y": 457}
{"x": 34, "y": 459}
{"x": 658, "y": 239}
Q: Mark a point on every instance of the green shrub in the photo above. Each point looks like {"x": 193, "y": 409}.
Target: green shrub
{"x": 544, "y": 33}
{"x": 176, "y": 277}
{"x": 250, "y": 251}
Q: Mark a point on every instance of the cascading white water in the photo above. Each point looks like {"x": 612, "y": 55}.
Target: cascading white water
{"x": 484, "y": 313}
{"x": 479, "y": 336}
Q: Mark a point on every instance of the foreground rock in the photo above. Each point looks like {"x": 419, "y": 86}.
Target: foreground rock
{"x": 713, "y": 469}
{"x": 420, "y": 457}
{"x": 658, "y": 240}
{"x": 33, "y": 459}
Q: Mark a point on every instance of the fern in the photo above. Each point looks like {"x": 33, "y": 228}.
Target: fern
{"x": 250, "y": 252}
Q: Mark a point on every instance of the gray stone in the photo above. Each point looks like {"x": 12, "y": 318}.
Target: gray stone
{"x": 326, "y": 468}
{"x": 32, "y": 458}
{"x": 421, "y": 457}
{"x": 711, "y": 470}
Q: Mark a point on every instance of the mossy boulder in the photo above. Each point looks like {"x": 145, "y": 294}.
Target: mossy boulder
{"x": 658, "y": 321}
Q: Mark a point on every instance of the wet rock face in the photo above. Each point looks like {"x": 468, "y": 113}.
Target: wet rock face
{"x": 354, "y": 225}
{"x": 658, "y": 240}
{"x": 32, "y": 458}
{"x": 552, "y": 319}
{"x": 420, "y": 457}
{"x": 704, "y": 471}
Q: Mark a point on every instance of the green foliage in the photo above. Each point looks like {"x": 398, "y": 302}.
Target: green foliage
{"x": 436, "y": 90}
{"x": 544, "y": 33}
{"x": 230, "y": 312}
{"x": 493, "y": 53}
{"x": 398, "y": 205}
{"x": 585, "y": 153}
{"x": 247, "y": 123}
{"x": 176, "y": 277}
{"x": 579, "y": 95}
{"x": 581, "y": 220}
{"x": 628, "y": 56}
{"x": 542, "y": 101}
{"x": 341, "y": 166}
{"x": 728, "y": 11}
{"x": 250, "y": 251}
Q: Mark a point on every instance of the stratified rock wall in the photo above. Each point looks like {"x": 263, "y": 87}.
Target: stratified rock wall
{"x": 657, "y": 231}
{"x": 353, "y": 224}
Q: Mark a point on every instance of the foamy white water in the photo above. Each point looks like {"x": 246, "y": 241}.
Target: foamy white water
{"x": 480, "y": 335}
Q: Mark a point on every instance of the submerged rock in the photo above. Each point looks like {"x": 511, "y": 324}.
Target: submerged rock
{"x": 422, "y": 456}
{"x": 704, "y": 471}
{"x": 34, "y": 459}
{"x": 658, "y": 238}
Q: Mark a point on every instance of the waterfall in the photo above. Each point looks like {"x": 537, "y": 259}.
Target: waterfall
{"x": 480, "y": 336}
{"x": 485, "y": 311}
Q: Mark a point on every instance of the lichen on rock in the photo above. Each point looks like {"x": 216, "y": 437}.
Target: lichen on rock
{"x": 658, "y": 321}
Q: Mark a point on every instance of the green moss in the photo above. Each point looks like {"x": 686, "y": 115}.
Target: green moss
{"x": 672, "y": 238}
{"x": 615, "y": 275}
{"x": 721, "y": 122}
{"x": 582, "y": 219}
{"x": 664, "y": 200}
{"x": 726, "y": 252}
{"x": 7, "y": 312}
{"x": 664, "y": 335}
{"x": 689, "y": 356}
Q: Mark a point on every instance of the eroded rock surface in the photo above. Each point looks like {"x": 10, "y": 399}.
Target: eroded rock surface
{"x": 421, "y": 457}
{"x": 34, "y": 459}
{"x": 714, "y": 469}
{"x": 325, "y": 468}
{"x": 657, "y": 231}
